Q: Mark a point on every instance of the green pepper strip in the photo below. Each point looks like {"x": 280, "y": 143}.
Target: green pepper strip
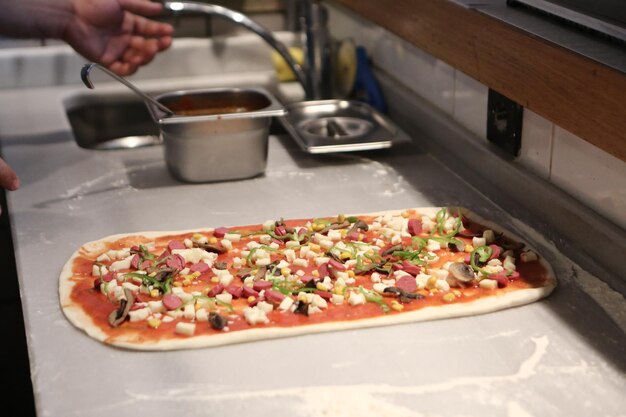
{"x": 289, "y": 289}
{"x": 253, "y": 251}
{"x": 484, "y": 253}
{"x": 375, "y": 298}
{"x": 228, "y": 306}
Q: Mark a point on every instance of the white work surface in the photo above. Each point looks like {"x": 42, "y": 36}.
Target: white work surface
{"x": 562, "y": 356}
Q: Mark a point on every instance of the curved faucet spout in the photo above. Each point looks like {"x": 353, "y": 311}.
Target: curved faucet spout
{"x": 243, "y": 20}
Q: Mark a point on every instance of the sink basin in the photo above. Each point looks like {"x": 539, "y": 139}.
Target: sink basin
{"x": 108, "y": 122}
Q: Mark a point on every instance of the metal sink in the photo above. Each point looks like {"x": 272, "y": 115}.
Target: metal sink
{"x": 108, "y": 122}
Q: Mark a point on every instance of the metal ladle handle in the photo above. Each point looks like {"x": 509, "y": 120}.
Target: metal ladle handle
{"x": 86, "y": 70}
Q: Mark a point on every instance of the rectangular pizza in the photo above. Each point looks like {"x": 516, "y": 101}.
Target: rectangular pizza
{"x": 217, "y": 286}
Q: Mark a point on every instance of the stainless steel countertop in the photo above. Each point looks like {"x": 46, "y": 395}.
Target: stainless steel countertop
{"x": 560, "y": 357}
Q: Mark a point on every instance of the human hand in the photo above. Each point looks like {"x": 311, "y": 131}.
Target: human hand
{"x": 8, "y": 177}
{"x": 116, "y": 33}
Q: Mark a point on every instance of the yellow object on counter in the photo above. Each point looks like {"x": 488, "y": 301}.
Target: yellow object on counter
{"x": 283, "y": 71}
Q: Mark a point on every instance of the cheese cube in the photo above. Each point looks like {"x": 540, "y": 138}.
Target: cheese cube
{"x": 286, "y": 304}
{"x": 290, "y": 254}
{"x": 528, "y": 256}
{"x": 337, "y": 299}
{"x": 233, "y": 237}
{"x": 356, "y": 299}
{"x": 433, "y": 245}
{"x": 254, "y": 315}
{"x": 185, "y": 329}
{"x": 489, "y": 284}
{"x": 189, "y": 311}
{"x": 156, "y": 306}
{"x": 509, "y": 263}
{"x": 202, "y": 315}
{"x": 225, "y": 298}
{"x": 265, "y": 306}
{"x": 479, "y": 241}
{"x": 489, "y": 236}
{"x": 139, "y": 315}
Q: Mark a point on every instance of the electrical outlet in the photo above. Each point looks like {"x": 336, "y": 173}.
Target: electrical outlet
{"x": 504, "y": 122}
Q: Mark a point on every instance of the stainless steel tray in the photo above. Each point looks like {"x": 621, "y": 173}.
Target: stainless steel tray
{"x": 326, "y": 126}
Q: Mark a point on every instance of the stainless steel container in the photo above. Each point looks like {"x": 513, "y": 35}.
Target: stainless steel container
{"x": 216, "y": 134}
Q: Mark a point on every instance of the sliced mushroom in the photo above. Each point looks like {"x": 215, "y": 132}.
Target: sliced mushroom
{"x": 334, "y": 226}
{"x": 358, "y": 225}
{"x": 162, "y": 274}
{"x": 216, "y": 321}
{"x": 461, "y": 271}
{"x": 222, "y": 265}
{"x": 456, "y": 245}
{"x": 118, "y": 316}
{"x": 391, "y": 249}
{"x": 260, "y": 274}
{"x": 210, "y": 248}
{"x": 403, "y": 296}
{"x": 301, "y": 308}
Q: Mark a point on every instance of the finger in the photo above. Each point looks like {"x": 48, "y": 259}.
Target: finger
{"x": 142, "y": 7}
{"x": 8, "y": 177}
{"x": 122, "y": 68}
{"x": 147, "y": 27}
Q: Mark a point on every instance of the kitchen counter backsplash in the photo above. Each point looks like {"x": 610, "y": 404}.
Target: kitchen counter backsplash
{"x": 591, "y": 175}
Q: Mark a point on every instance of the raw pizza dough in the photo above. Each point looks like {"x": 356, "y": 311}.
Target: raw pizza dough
{"x": 143, "y": 339}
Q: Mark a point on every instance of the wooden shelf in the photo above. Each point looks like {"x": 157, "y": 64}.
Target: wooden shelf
{"x": 576, "y": 93}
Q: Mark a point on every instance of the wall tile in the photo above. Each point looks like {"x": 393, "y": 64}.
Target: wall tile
{"x": 470, "y": 104}
{"x": 591, "y": 175}
{"x": 424, "y": 74}
{"x": 536, "y": 151}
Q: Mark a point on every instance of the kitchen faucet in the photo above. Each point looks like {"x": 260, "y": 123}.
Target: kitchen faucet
{"x": 315, "y": 76}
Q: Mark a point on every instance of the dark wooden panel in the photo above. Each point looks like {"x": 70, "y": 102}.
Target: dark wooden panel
{"x": 578, "y": 94}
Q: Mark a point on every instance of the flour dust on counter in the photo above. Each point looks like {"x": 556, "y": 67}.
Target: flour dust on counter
{"x": 224, "y": 285}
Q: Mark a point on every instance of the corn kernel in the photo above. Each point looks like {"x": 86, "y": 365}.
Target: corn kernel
{"x": 154, "y": 293}
{"x": 251, "y": 299}
{"x": 469, "y": 248}
{"x": 195, "y": 275}
{"x": 351, "y": 273}
{"x": 302, "y": 298}
{"x": 449, "y": 297}
{"x": 341, "y": 218}
{"x": 397, "y": 306}
{"x": 154, "y": 323}
{"x": 310, "y": 228}
{"x": 431, "y": 282}
{"x": 215, "y": 279}
{"x": 317, "y": 227}
{"x": 178, "y": 284}
{"x": 213, "y": 240}
{"x": 405, "y": 214}
{"x": 197, "y": 236}
{"x": 321, "y": 286}
{"x": 314, "y": 247}
{"x": 457, "y": 293}
{"x": 345, "y": 255}
{"x": 285, "y": 272}
{"x": 315, "y": 273}
{"x": 152, "y": 274}
{"x": 338, "y": 289}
